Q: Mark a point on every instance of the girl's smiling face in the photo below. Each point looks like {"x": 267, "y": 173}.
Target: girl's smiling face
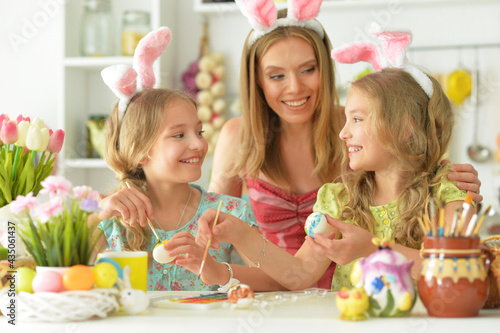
{"x": 365, "y": 151}
{"x": 289, "y": 76}
{"x": 178, "y": 153}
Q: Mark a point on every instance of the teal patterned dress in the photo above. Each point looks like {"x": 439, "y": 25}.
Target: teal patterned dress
{"x": 173, "y": 277}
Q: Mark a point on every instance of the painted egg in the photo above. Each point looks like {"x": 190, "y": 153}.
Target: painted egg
{"x": 78, "y": 277}
{"x": 24, "y": 278}
{"x": 113, "y": 262}
{"x": 47, "y": 281}
{"x": 105, "y": 275}
{"x": 241, "y": 295}
{"x": 316, "y": 224}
{"x": 160, "y": 254}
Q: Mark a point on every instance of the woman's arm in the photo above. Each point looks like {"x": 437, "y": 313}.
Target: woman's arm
{"x": 292, "y": 272}
{"x": 467, "y": 179}
{"x": 226, "y": 152}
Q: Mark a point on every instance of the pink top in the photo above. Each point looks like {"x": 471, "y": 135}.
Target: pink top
{"x": 281, "y": 216}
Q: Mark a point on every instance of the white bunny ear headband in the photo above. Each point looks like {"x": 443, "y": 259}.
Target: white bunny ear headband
{"x": 262, "y": 16}
{"x": 125, "y": 81}
{"x": 393, "y": 54}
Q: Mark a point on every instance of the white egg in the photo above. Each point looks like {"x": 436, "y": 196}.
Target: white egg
{"x": 160, "y": 254}
{"x": 316, "y": 224}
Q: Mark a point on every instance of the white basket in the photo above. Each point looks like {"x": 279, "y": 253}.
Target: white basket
{"x": 63, "y": 306}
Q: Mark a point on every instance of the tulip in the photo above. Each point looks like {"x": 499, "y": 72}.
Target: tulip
{"x": 3, "y": 117}
{"x": 34, "y": 138}
{"x": 8, "y": 132}
{"x": 22, "y": 131}
{"x": 21, "y": 118}
{"x": 56, "y": 141}
{"x": 45, "y": 139}
{"x": 38, "y": 123}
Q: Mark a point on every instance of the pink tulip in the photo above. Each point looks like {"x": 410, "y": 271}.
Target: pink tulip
{"x": 3, "y": 117}
{"x": 45, "y": 211}
{"x": 8, "y": 132}
{"x": 21, "y": 118}
{"x": 56, "y": 141}
{"x": 56, "y": 185}
{"x": 23, "y": 203}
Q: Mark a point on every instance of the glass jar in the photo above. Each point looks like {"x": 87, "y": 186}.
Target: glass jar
{"x": 97, "y": 32}
{"x": 135, "y": 26}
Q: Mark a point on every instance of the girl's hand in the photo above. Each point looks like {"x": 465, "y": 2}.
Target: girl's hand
{"x": 130, "y": 204}
{"x": 356, "y": 243}
{"x": 467, "y": 178}
{"x": 228, "y": 229}
{"x": 189, "y": 255}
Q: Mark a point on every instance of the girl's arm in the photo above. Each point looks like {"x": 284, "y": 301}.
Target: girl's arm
{"x": 292, "y": 272}
{"x": 467, "y": 178}
{"x": 226, "y": 152}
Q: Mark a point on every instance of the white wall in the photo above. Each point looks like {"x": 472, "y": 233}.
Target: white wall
{"x": 31, "y": 71}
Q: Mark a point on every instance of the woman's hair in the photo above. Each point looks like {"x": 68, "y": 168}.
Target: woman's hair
{"x": 260, "y": 128}
{"x": 416, "y": 130}
{"x": 129, "y": 140}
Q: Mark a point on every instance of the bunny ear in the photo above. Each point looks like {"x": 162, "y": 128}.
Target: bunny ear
{"x": 355, "y": 52}
{"x": 148, "y": 50}
{"x": 394, "y": 44}
{"x": 126, "y": 276}
{"x": 122, "y": 80}
{"x": 260, "y": 13}
{"x": 304, "y": 10}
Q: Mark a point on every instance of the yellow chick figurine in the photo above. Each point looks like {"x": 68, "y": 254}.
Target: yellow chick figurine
{"x": 352, "y": 303}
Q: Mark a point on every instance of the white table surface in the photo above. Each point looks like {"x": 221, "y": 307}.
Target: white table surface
{"x": 306, "y": 315}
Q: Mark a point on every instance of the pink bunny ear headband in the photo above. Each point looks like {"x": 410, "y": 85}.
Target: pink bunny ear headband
{"x": 125, "y": 81}
{"x": 262, "y": 16}
{"x": 394, "y": 46}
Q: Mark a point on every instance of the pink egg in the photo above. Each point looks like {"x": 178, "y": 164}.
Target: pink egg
{"x": 47, "y": 282}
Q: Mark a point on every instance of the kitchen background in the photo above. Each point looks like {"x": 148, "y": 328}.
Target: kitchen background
{"x": 43, "y": 73}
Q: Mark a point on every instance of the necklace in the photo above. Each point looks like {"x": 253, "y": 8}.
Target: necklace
{"x": 183, "y": 211}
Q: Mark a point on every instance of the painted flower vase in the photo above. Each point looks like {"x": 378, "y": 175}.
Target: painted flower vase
{"x": 386, "y": 277}
{"x": 453, "y": 281}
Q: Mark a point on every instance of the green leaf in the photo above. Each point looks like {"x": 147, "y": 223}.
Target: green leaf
{"x": 389, "y": 306}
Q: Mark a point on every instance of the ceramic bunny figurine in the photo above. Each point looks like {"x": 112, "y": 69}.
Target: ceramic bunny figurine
{"x": 133, "y": 301}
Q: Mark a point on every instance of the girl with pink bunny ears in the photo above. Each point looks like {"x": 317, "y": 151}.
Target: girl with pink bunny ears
{"x": 286, "y": 143}
{"x": 155, "y": 145}
{"x": 395, "y": 137}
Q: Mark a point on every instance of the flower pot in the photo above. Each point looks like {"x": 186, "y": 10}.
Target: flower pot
{"x": 453, "y": 281}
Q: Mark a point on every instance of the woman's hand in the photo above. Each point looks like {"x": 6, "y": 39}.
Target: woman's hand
{"x": 356, "y": 243}
{"x": 189, "y": 255}
{"x": 129, "y": 203}
{"x": 467, "y": 179}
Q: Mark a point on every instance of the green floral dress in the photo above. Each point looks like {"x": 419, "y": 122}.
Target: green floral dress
{"x": 330, "y": 202}
{"x": 173, "y": 277}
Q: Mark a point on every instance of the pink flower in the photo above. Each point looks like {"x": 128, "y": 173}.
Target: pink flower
{"x": 21, "y": 118}
{"x": 56, "y": 185}
{"x": 80, "y": 192}
{"x": 23, "y": 203}
{"x": 56, "y": 141}
{"x": 3, "y": 117}
{"x": 8, "y": 132}
{"x": 51, "y": 208}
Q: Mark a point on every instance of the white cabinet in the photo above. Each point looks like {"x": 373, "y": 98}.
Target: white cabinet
{"x": 84, "y": 94}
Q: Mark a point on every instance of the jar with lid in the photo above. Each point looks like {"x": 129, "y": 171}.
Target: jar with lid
{"x": 136, "y": 24}
{"x": 97, "y": 30}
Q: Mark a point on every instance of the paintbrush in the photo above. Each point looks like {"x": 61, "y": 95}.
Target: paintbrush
{"x": 481, "y": 220}
{"x": 433, "y": 217}
{"x": 149, "y": 222}
{"x": 465, "y": 210}
{"x": 441, "y": 220}
{"x": 454, "y": 222}
{"x": 209, "y": 241}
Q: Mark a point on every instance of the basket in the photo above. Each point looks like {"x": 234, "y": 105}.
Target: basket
{"x": 63, "y": 306}
{"x": 493, "y": 244}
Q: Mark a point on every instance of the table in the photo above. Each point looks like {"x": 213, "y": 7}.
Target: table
{"x": 307, "y": 314}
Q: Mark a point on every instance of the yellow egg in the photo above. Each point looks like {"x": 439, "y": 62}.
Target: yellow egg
{"x": 405, "y": 302}
{"x": 105, "y": 275}
{"x": 24, "y": 277}
{"x": 78, "y": 277}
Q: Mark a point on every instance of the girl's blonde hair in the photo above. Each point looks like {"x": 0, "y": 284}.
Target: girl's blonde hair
{"x": 260, "y": 127}
{"x": 417, "y": 131}
{"x": 129, "y": 140}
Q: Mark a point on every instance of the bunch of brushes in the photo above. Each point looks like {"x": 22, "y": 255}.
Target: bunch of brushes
{"x": 433, "y": 224}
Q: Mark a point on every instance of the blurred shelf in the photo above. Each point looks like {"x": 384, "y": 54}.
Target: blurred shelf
{"x": 86, "y": 163}
{"x": 95, "y": 62}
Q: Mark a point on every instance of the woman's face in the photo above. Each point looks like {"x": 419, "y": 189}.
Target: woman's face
{"x": 289, "y": 76}
{"x": 178, "y": 153}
